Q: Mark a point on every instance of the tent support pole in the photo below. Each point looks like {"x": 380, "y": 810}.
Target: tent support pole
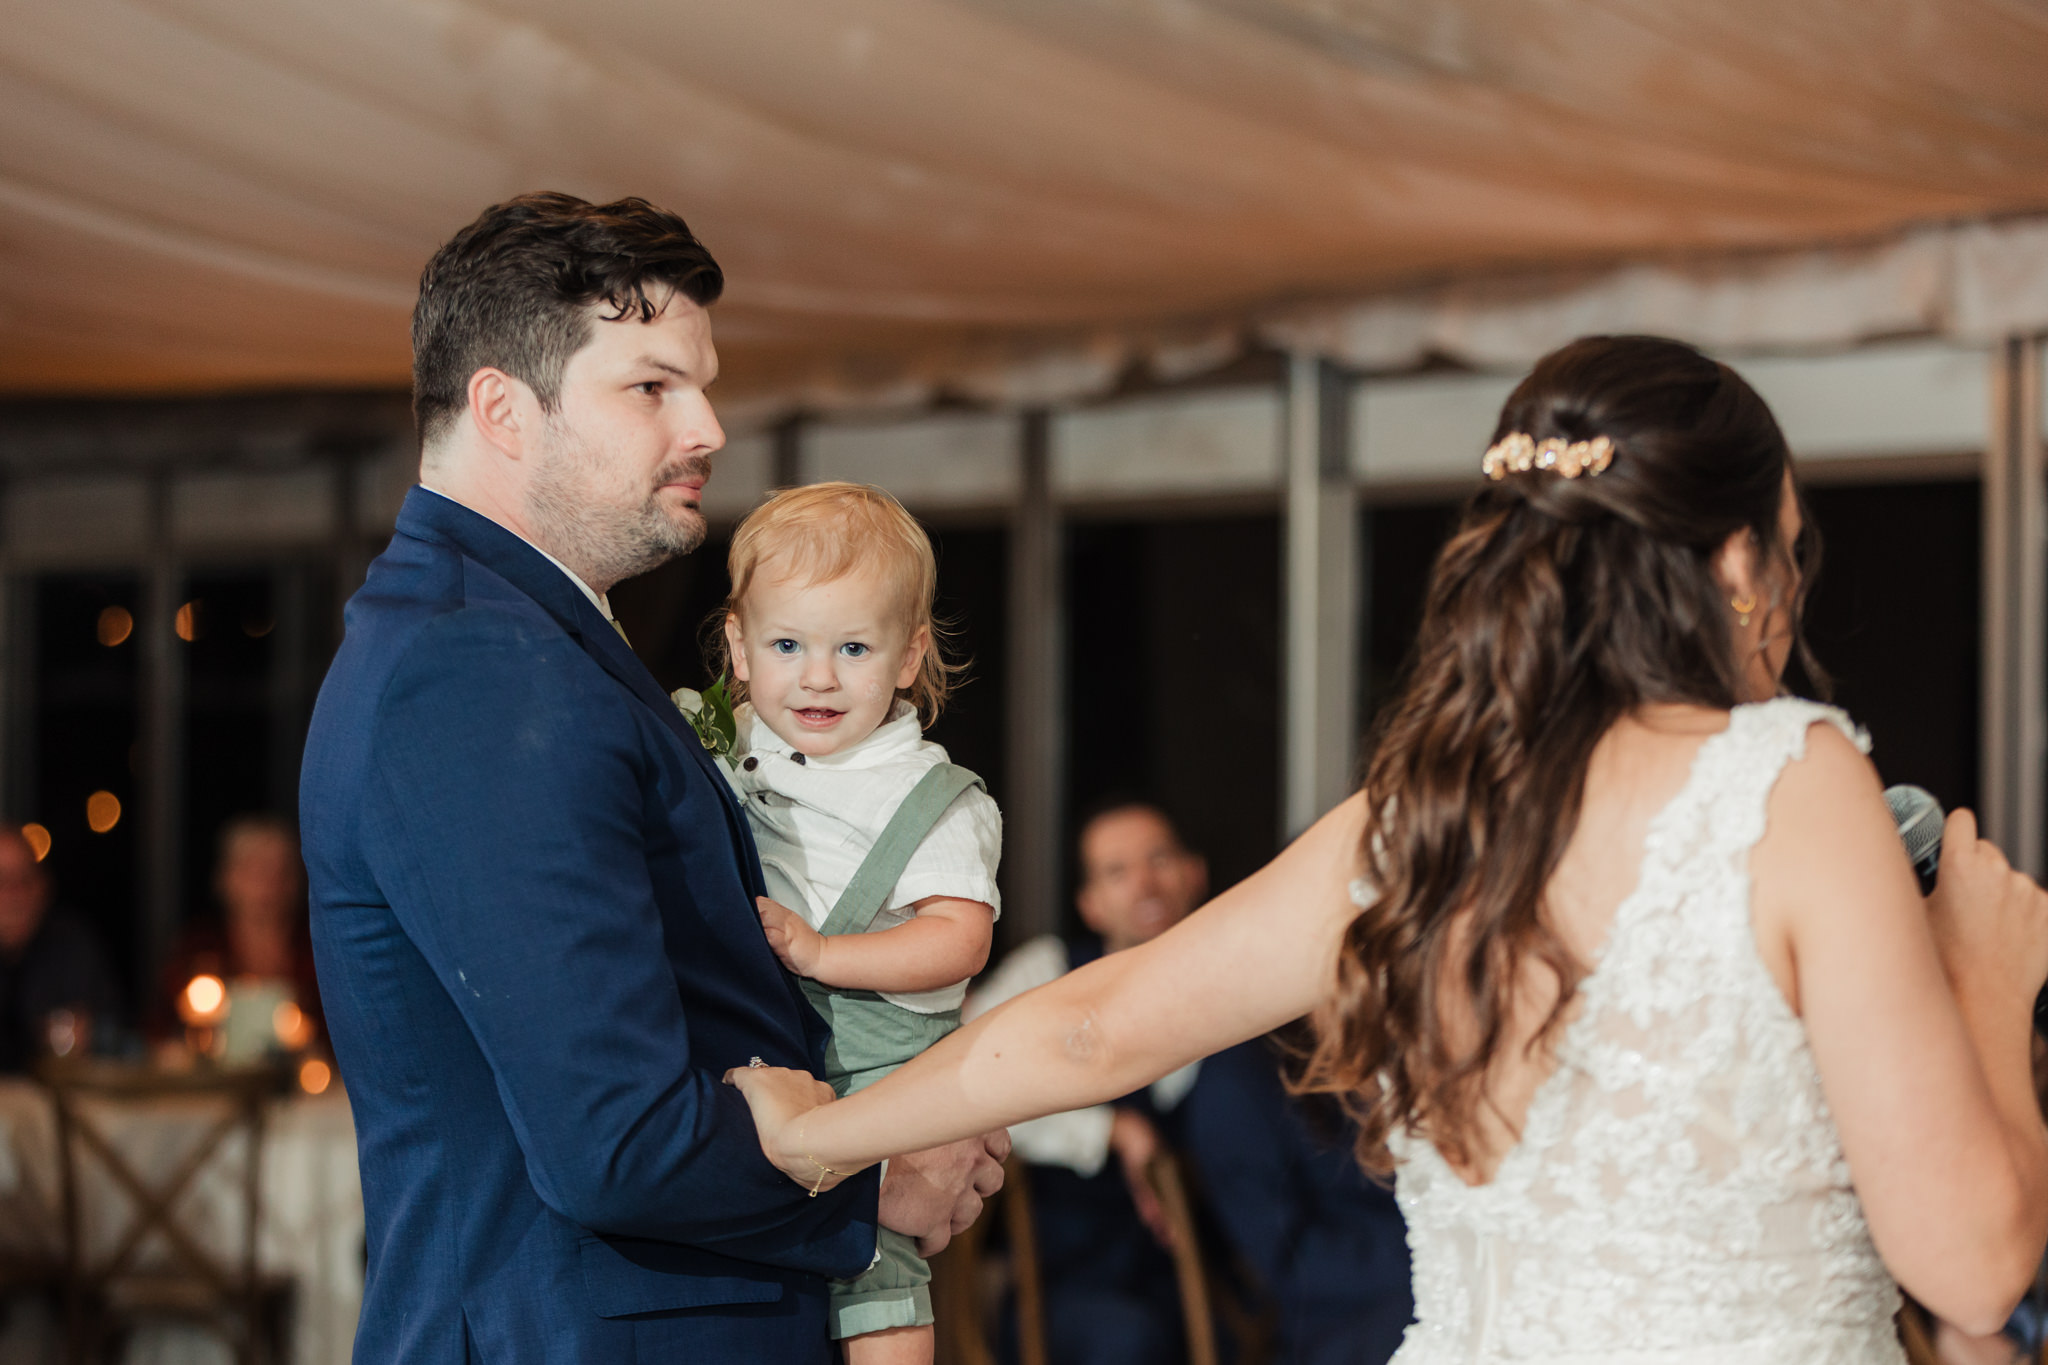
{"x": 2015, "y": 666}
{"x": 1033, "y": 855}
{"x": 1319, "y": 665}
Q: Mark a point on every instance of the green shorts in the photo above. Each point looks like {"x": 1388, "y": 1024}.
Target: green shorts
{"x": 871, "y": 1038}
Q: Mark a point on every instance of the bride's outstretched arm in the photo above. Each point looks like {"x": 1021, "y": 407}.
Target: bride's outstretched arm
{"x": 1257, "y": 956}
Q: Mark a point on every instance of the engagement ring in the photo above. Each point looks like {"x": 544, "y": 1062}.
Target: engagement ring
{"x": 755, "y": 1061}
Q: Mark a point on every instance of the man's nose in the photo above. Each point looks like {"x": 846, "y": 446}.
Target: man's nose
{"x": 701, "y": 433}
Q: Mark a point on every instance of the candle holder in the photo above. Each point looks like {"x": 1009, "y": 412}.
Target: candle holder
{"x": 203, "y": 1006}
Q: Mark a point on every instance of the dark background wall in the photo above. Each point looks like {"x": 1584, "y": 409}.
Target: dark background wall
{"x": 1173, "y": 678}
{"x": 1893, "y": 617}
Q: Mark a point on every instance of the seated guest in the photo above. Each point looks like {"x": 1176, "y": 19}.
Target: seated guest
{"x": 49, "y": 962}
{"x": 1278, "y": 1176}
{"x": 1110, "y": 1295}
{"x": 259, "y": 945}
{"x": 1326, "y": 1246}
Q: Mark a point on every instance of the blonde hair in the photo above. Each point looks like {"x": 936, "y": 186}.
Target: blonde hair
{"x": 820, "y": 533}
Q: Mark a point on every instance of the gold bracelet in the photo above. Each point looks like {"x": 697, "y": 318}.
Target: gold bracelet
{"x": 823, "y": 1171}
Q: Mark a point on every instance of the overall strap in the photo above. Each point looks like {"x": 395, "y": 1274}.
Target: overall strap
{"x": 879, "y": 872}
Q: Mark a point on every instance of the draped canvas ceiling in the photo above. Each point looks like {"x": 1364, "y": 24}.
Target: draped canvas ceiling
{"x": 1013, "y": 198}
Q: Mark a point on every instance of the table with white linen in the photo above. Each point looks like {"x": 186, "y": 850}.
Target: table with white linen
{"x": 312, "y": 1228}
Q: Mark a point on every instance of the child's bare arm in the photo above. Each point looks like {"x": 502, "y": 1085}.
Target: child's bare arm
{"x": 947, "y": 943}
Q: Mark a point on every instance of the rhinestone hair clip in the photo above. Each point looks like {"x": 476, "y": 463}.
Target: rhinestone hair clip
{"x": 1519, "y": 453}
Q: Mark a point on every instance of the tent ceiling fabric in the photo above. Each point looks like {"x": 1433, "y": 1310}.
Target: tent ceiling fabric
{"x": 1007, "y": 198}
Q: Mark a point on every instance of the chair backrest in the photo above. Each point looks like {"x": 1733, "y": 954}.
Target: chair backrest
{"x": 1188, "y": 1267}
{"x": 958, "y": 1283}
{"x": 94, "y": 1159}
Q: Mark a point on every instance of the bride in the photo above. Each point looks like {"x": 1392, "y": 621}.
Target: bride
{"x": 1616, "y": 958}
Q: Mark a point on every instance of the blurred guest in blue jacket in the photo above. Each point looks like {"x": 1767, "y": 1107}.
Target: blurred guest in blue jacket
{"x": 1320, "y": 1247}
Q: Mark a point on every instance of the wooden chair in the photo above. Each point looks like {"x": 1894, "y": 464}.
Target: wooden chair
{"x": 1206, "y": 1297}
{"x": 107, "y": 1294}
{"x": 963, "y": 1288}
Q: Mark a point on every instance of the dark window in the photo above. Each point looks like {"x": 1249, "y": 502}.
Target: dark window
{"x": 1894, "y": 617}
{"x": 86, "y": 700}
{"x": 1401, "y": 541}
{"x": 1173, "y": 678}
{"x": 260, "y": 639}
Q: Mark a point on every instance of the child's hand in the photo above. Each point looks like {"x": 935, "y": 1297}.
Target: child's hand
{"x": 791, "y": 936}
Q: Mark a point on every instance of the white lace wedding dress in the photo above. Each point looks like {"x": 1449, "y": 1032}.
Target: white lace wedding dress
{"x": 1678, "y": 1195}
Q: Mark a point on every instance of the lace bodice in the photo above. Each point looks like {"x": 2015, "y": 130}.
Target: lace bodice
{"x": 1678, "y": 1195}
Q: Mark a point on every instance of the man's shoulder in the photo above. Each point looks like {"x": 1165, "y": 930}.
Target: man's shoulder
{"x": 430, "y": 606}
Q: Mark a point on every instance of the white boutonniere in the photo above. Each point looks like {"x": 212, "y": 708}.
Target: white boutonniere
{"x": 710, "y": 715}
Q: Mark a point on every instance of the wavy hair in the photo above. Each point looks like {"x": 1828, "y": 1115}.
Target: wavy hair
{"x": 1558, "y": 606}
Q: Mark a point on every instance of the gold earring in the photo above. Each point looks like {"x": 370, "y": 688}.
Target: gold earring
{"x": 1743, "y": 605}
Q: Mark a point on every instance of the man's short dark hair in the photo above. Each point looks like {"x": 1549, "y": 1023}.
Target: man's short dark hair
{"x": 514, "y": 291}
{"x": 1122, "y": 803}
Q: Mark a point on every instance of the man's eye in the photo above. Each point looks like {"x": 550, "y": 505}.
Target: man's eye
{"x": 783, "y": 646}
{"x": 650, "y": 387}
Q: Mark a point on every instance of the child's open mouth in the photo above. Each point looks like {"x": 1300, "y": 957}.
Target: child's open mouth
{"x": 818, "y": 717}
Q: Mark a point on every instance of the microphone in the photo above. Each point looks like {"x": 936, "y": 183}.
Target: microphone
{"x": 1919, "y": 818}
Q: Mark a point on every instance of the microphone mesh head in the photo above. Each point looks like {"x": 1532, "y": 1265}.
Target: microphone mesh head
{"x": 1919, "y": 818}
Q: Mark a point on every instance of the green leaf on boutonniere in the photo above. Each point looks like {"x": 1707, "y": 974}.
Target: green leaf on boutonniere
{"x": 710, "y": 715}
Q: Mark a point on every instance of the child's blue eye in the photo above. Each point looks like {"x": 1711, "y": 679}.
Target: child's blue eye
{"x": 853, "y": 649}
{"x": 783, "y": 647}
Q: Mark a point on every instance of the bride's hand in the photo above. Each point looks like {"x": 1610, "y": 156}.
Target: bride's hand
{"x": 779, "y": 1098}
{"x": 1990, "y": 922}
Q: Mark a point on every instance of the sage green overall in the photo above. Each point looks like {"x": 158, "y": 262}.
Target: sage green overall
{"x": 871, "y": 1037}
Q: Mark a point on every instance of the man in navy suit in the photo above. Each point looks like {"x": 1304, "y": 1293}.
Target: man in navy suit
{"x": 532, "y": 893}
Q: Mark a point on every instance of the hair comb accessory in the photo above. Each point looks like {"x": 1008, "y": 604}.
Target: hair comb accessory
{"x": 1519, "y": 452}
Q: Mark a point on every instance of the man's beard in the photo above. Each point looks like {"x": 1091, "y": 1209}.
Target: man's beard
{"x": 607, "y": 540}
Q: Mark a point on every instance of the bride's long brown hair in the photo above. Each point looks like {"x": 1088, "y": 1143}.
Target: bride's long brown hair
{"x": 1558, "y": 606}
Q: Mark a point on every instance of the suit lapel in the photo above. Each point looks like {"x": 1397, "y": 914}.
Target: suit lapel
{"x": 431, "y": 516}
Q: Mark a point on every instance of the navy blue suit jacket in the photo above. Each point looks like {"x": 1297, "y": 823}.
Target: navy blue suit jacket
{"x": 533, "y": 918}
{"x": 1328, "y": 1244}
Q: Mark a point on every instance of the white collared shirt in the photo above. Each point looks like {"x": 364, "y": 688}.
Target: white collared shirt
{"x": 599, "y": 600}
{"x": 815, "y": 820}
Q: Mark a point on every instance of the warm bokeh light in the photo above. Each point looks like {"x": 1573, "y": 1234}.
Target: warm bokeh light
{"x": 315, "y": 1076}
{"x": 115, "y": 626}
{"x": 202, "y": 998}
{"x": 187, "y": 622}
{"x": 102, "y": 811}
{"x": 294, "y": 1030}
{"x": 38, "y": 840}
{"x": 256, "y": 628}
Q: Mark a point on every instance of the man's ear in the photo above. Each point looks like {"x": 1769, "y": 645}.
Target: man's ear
{"x": 502, "y": 410}
{"x": 1735, "y": 567}
{"x": 913, "y": 661}
{"x": 733, "y": 652}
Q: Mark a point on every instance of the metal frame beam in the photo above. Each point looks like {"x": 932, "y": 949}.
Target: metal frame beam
{"x": 1320, "y": 586}
{"x": 2015, "y": 625}
{"x": 1033, "y": 855}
